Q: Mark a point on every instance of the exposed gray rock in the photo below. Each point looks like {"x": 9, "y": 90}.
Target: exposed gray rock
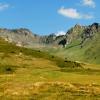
{"x": 21, "y": 37}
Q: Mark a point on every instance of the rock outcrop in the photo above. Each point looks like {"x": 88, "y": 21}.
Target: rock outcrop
{"x": 21, "y": 37}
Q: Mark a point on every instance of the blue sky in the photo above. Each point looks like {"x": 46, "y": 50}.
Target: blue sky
{"x": 48, "y": 16}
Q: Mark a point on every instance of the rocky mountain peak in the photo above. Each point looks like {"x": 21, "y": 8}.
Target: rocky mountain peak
{"x": 95, "y": 27}
{"x": 77, "y": 26}
{"x": 22, "y": 31}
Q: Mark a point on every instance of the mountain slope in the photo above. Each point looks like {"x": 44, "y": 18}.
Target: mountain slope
{"x": 9, "y": 52}
{"x": 83, "y": 44}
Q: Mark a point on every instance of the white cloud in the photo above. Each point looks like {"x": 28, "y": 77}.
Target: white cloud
{"x": 89, "y": 3}
{"x": 73, "y": 13}
{"x": 3, "y": 6}
{"x": 60, "y": 33}
{"x": 70, "y": 12}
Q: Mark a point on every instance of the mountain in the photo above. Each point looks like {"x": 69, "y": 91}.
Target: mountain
{"x": 83, "y": 44}
{"x": 79, "y": 43}
{"x": 82, "y": 33}
{"x": 77, "y": 32}
{"x": 21, "y": 37}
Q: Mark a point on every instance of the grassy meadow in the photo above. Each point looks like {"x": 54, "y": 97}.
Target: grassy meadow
{"x": 27, "y": 74}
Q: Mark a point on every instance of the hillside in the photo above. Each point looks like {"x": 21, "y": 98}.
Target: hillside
{"x": 83, "y": 44}
{"x": 33, "y": 74}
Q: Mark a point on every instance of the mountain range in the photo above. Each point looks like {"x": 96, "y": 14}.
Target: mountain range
{"x": 79, "y": 43}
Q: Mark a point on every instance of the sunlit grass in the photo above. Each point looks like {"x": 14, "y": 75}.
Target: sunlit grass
{"x": 27, "y": 74}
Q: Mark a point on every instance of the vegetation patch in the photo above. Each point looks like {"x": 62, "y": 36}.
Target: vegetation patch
{"x": 7, "y": 69}
{"x": 87, "y": 71}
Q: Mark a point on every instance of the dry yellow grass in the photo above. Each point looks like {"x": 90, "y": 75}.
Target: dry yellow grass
{"x": 35, "y": 78}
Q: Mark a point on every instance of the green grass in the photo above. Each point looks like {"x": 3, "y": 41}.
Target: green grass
{"x": 27, "y": 74}
{"x": 8, "y": 49}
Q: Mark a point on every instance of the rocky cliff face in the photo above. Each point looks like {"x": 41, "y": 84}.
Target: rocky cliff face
{"x": 78, "y": 32}
{"x": 21, "y": 37}
{"x": 71, "y": 35}
{"x": 90, "y": 31}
